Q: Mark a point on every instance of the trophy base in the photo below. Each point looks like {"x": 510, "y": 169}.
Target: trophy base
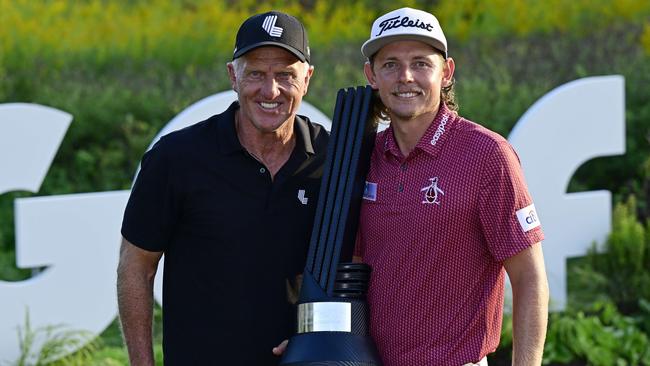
{"x": 330, "y": 349}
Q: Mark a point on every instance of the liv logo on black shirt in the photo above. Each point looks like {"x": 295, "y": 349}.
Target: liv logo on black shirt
{"x": 301, "y": 197}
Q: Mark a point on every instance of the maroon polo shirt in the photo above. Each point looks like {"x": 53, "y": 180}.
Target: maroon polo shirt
{"x": 436, "y": 227}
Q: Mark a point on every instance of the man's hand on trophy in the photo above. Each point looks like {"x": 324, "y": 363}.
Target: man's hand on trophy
{"x": 279, "y": 350}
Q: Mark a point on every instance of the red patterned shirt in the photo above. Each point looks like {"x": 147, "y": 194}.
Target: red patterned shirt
{"x": 436, "y": 227}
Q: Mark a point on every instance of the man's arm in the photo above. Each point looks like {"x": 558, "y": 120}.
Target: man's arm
{"x": 530, "y": 305}
{"x": 135, "y": 275}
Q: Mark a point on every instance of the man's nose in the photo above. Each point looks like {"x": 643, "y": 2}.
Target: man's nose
{"x": 405, "y": 74}
{"x": 270, "y": 89}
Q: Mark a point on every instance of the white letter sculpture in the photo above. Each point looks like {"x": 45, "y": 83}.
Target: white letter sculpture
{"x": 569, "y": 126}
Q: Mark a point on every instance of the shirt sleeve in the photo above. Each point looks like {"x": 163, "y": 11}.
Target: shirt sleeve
{"x": 504, "y": 196}
{"x": 150, "y": 213}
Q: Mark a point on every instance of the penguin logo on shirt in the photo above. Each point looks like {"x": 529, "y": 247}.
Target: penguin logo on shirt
{"x": 432, "y": 191}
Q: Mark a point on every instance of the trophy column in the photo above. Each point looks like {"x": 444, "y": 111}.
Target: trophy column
{"x": 332, "y": 309}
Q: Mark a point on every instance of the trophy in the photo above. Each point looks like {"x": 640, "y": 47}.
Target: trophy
{"x": 332, "y": 324}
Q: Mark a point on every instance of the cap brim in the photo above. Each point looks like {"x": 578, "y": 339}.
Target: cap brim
{"x": 372, "y": 46}
{"x": 293, "y": 51}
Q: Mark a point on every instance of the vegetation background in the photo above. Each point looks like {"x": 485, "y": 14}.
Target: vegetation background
{"x": 125, "y": 68}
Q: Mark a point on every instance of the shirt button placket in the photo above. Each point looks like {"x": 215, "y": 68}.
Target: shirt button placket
{"x": 402, "y": 168}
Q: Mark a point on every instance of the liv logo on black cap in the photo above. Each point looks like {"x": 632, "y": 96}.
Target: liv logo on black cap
{"x": 270, "y": 28}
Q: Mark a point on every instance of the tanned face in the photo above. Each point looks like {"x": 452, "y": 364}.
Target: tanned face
{"x": 270, "y": 83}
{"x": 409, "y": 76}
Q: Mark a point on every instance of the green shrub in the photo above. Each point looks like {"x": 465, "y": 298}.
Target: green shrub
{"x": 620, "y": 269}
{"x": 599, "y": 335}
{"x": 602, "y": 337}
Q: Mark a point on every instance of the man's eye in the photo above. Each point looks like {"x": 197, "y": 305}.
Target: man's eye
{"x": 390, "y": 65}
{"x": 254, "y": 74}
{"x": 421, "y": 64}
{"x": 285, "y": 76}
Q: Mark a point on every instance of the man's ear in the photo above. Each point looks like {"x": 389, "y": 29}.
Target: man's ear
{"x": 310, "y": 72}
{"x": 370, "y": 75}
{"x": 448, "y": 72}
{"x": 232, "y": 75}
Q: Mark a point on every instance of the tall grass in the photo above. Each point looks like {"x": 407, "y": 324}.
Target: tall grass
{"x": 53, "y": 345}
{"x": 180, "y": 33}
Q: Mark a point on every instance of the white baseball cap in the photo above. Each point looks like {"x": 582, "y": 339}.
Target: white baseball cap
{"x": 405, "y": 24}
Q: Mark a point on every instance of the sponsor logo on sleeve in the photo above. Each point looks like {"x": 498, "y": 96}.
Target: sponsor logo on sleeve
{"x": 527, "y": 217}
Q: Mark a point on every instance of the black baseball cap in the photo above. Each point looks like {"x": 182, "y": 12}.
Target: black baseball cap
{"x": 273, "y": 28}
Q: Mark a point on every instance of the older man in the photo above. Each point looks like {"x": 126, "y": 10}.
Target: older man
{"x": 230, "y": 203}
{"x": 445, "y": 210}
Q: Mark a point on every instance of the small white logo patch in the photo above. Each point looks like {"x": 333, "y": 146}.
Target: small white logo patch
{"x": 432, "y": 191}
{"x": 527, "y": 217}
{"x": 301, "y": 197}
{"x": 370, "y": 191}
{"x": 270, "y": 28}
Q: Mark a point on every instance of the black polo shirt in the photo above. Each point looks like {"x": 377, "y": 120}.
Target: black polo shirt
{"x": 231, "y": 238}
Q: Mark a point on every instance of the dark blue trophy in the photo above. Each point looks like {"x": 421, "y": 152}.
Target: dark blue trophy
{"x": 332, "y": 312}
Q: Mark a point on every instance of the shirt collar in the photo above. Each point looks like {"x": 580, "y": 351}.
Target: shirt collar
{"x": 303, "y": 136}
{"x": 432, "y": 140}
{"x": 229, "y": 142}
{"x": 226, "y": 131}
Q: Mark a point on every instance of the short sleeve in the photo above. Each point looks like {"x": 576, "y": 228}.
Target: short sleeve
{"x": 150, "y": 213}
{"x": 504, "y": 195}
